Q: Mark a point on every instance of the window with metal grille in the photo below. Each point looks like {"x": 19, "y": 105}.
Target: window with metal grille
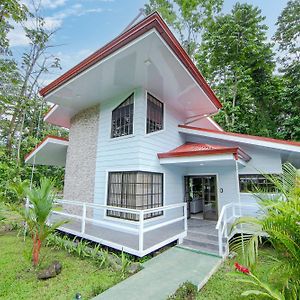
{"x": 137, "y": 190}
{"x": 122, "y": 118}
{"x": 255, "y": 183}
{"x": 155, "y": 114}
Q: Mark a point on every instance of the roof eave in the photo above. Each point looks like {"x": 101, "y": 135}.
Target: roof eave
{"x": 152, "y": 21}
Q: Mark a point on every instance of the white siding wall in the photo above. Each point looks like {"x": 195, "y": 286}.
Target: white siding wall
{"x": 226, "y": 180}
{"x": 262, "y": 159}
{"x": 139, "y": 151}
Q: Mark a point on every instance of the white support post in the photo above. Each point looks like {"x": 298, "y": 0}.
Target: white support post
{"x": 220, "y": 241}
{"x": 141, "y": 231}
{"x": 185, "y": 216}
{"x": 225, "y": 223}
{"x": 83, "y": 218}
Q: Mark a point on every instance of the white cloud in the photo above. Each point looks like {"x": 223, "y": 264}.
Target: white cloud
{"x": 17, "y": 36}
{"x": 44, "y": 3}
{"x": 52, "y": 3}
{"x": 52, "y": 23}
{"x": 67, "y": 60}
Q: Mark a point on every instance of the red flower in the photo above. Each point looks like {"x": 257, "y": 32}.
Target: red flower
{"x": 241, "y": 268}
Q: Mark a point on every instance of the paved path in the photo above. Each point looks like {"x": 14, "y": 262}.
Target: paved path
{"x": 163, "y": 274}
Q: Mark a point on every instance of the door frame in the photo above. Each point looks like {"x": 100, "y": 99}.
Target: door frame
{"x": 217, "y": 186}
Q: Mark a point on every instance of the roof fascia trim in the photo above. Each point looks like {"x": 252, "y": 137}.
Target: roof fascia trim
{"x": 253, "y": 140}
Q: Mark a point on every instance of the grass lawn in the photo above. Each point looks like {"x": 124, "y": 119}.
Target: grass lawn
{"x": 18, "y": 278}
{"x": 222, "y": 286}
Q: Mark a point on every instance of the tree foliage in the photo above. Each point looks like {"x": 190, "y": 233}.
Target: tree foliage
{"x": 233, "y": 52}
{"x": 187, "y": 17}
{"x": 21, "y": 108}
{"x": 287, "y": 38}
{"x": 237, "y": 60}
{"x": 10, "y": 10}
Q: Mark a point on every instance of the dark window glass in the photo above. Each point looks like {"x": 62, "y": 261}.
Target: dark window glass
{"x": 122, "y": 118}
{"x": 155, "y": 114}
{"x": 137, "y": 190}
{"x": 255, "y": 183}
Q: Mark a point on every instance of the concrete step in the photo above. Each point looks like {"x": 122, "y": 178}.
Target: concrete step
{"x": 202, "y": 236}
{"x": 204, "y": 244}
{"x": 206, "y": 248}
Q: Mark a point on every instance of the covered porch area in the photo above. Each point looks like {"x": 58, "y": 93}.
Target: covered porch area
{"x": 210, "y": 176}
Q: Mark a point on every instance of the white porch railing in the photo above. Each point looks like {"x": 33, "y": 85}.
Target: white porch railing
{"x": 139, "y": 237}
{"x": 229, "y": 213}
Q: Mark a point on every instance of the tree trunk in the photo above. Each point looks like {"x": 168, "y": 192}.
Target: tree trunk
{"x": 20, "y": 137}
{"x": 36, "y": 250}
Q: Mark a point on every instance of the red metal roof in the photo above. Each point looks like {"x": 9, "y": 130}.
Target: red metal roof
{"x": 194, "y": 149}
{"x": 152, "y": 21}
{"x": 43, "y": 141}
{"x": 247, "y": 136}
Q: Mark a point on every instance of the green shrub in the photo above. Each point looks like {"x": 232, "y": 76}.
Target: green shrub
{"x": 186, "y": 291}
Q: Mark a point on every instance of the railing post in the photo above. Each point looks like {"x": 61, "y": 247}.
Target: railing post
{"x": 225, "y": 223}
{"x": 220, "y": 238}
{"x": 141, "y": 231}
{"x": 83, "y": 218}
{"x": 185, "y": 216}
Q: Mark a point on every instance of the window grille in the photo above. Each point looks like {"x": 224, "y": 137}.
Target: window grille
{"x": 122, "y": 118}
{"x": 255, "y": 183}
{"x": 155, "y": 114}
{"x": 136, "y": 190}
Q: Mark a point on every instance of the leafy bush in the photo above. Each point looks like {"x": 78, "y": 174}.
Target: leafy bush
{"x": 186, "y": 291}
{"x": 13, "y": 172}
{"x": 280, "y": 221}
{"x": 83, "y": 249}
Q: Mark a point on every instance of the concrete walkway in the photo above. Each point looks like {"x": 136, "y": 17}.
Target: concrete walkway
{"x": 163, "y": 274}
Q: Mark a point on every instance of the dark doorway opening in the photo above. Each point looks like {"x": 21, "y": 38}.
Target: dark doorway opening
{"x": 201, "y": 196}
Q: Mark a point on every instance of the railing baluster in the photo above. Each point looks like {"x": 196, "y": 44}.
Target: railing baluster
{"x": 225, "y": 223}
{"x": 83, "y": 217}
{"x": 220, "y": 239}
{"x": 141, "y": 231}
{"x": 185, "y": 216}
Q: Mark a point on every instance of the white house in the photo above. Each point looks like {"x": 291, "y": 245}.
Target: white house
{"x": 144, "y": 155}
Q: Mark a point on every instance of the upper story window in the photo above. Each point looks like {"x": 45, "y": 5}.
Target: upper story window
{"x": 155, "y": 114}
{"x": 256, "y": 183}
{"x": 122, "y": 118}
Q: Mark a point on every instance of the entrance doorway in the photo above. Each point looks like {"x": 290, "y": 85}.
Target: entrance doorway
{"x": 201, "y": 196}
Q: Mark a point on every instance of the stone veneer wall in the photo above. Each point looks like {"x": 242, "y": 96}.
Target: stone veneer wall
{"x": 81, "y": 157}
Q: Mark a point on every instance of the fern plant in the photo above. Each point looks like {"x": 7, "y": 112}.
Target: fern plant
{"x": 280, "y": 222}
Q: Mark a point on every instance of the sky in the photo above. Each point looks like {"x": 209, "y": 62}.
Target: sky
{"x": 83, "y": 26}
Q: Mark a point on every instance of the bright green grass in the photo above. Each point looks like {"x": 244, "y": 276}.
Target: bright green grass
{"x": 222, "y": 286}
{"x": 18, "y": 279}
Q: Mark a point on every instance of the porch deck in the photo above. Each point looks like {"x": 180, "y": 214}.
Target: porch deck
{"x": 113, "y": 237}
{"x": 139, "y": 237}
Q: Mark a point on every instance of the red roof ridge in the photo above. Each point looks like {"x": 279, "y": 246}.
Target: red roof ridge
{"x": 154, "y": 20}
{"x": 44, "y": 140}
{"x": 242, "y": 135}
